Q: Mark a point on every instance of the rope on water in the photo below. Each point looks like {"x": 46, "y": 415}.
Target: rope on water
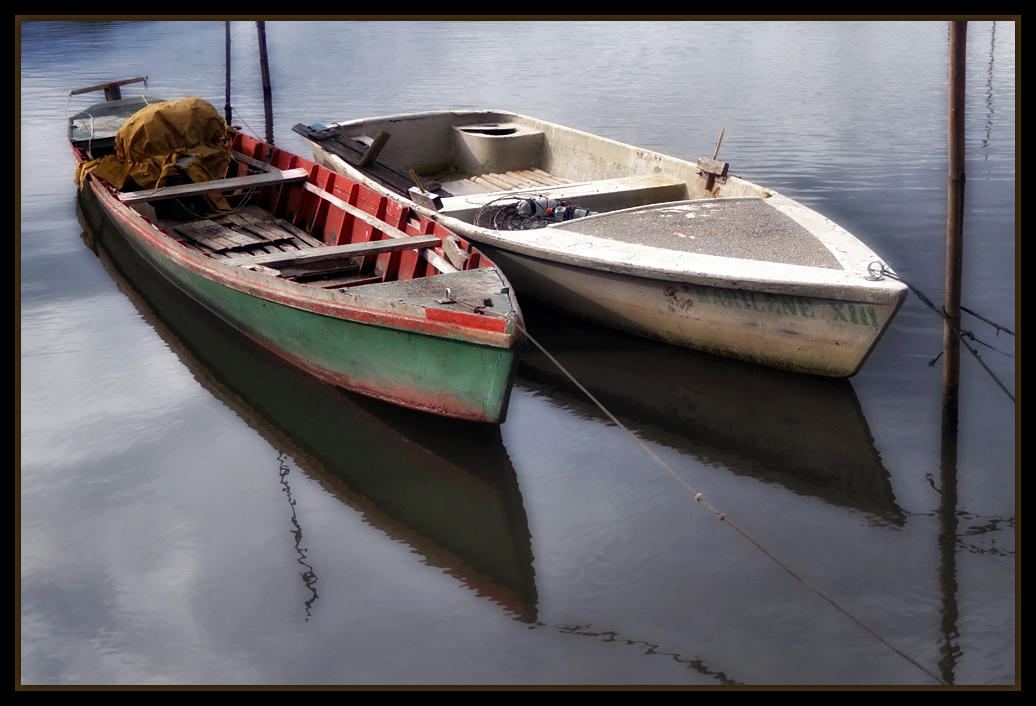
{"x": 963, "y": 336}
{"x": 697, "y": 495}
{"x": 245, "y": 123}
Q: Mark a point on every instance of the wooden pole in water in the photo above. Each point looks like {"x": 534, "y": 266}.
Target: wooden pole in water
{"x": 264, "y": 66}
{"x": 226, "y": 107}
{"x": 954, "y": 227}
{"x": 951, "y": 357}
{"x": 264, "y": 61}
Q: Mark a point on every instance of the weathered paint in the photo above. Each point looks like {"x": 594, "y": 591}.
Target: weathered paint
{"x": 814, "y": 335}
{"x": 455, "y": 364}
{"x": 805, "y": 301}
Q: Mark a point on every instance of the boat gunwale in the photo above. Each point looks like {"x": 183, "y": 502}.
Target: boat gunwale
{"x": 650, "y": 262}
{"x": 495, "y": 331}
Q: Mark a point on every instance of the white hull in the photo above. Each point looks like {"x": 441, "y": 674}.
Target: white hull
{"x": 814, "y": 335}
{"x": 780, "y": 286}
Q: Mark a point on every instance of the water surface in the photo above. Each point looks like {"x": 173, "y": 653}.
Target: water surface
{"x": 192, "y": 512}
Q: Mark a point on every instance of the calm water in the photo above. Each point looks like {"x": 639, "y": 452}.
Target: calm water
{"x": 192, "y": 512}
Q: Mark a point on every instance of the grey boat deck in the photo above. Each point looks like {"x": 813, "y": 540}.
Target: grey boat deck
{"x": 743, "y": 228}
{"x": 96, "y": 128}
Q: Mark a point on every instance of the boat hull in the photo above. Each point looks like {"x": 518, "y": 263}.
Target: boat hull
{"x": 817, "y": 335}
{"x": 712, "y": 263}
{"x": 416, "y": 363}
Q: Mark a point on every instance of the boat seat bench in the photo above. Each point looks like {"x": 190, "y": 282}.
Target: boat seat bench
{"x": 306, "y": 261}
{"x": 438, "y": 262}
{"x": 283, "y": 260}
{"x": 216, "y": 186}
{"x": 599, "y": 195}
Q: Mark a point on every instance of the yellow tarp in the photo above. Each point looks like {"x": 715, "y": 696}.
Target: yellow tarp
{"x": 148, "y": 145}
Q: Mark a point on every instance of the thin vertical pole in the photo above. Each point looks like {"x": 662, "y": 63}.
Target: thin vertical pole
{"x": 264, "y": 65}
{"x": 264, "y": 61}
{"x": 226, "y": 107}
{"x": 954, "y": 226}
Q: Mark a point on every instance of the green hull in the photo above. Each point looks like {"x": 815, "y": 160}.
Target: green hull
{"x": 445, "y": 376}
{"x": 396, "y": 360}
{"x": 458, "y": 506}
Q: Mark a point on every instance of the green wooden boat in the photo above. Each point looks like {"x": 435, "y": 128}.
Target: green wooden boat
{"x": 457, "y": 506}
{"x": 353, "y": 286}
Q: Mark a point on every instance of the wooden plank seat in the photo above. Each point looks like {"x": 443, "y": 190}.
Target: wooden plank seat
{"x": 599, "y": 195}
{"x": 273, "y": 177}
{"x": 314, "y": 261}
{"x": 435, "y": 259}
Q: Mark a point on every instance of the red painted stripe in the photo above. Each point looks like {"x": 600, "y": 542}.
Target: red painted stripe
{"x": 437, "y": 321}
{"x": 486, "y": 322}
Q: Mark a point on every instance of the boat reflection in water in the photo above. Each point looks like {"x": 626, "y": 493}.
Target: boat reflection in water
{"x": 805, "y": 433}
{"x": 456, "y": 504}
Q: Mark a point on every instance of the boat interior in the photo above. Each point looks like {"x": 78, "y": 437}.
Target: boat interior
{"x": 470, "y": 159}
{"x": 324, "y": 231}
{"x": 334, "y": 235}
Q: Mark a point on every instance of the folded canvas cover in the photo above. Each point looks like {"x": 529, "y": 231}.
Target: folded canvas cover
{"x": 149, "y": 145}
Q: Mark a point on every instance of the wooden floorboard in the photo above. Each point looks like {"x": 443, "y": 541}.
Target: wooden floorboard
{"x": 518, "y": 179}
{"x": 250, "y": 231}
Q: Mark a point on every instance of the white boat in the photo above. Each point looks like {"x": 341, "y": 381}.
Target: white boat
{"x": 632, "y": 239}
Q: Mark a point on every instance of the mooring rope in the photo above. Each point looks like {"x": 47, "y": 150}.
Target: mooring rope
{"x": 245, "y": 123}
{"x": 963, "y": 336}
{"x": 697, "y": 495}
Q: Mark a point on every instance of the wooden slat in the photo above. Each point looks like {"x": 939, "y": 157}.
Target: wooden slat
{"x": 439, "y": 262}
{"x": 496, "y": 181}
{"x": 216, "y": 186}
{"x": 519, "y": 179}
{"x": 332, "y": 252}
{"x": 375, "y": 148}
{"x": 269, "y": 231}
{"x": 550, "y": 178}
{"x": 320, "y": 273}
{"x": 351, "y": 280}
{"x": 537, "y": 178}
{"x": 105, "y": 86}
{"x": 214, "y": 236}
{"x": 257, "y": 215}
{"x": 252, "y": 161}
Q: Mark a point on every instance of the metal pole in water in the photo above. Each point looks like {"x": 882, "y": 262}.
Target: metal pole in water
{"x": 954, "y": 227}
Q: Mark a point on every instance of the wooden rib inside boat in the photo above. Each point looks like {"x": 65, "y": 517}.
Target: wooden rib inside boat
{"x": 348, "y": 283}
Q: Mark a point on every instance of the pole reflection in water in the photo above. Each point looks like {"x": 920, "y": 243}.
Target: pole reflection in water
{"x": 309, "y": 576}
{"x": 950, "y": 650}
{"x": 456, "y": 504}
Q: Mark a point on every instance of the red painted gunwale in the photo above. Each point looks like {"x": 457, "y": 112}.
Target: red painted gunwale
{"x": 298, "y": 205}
